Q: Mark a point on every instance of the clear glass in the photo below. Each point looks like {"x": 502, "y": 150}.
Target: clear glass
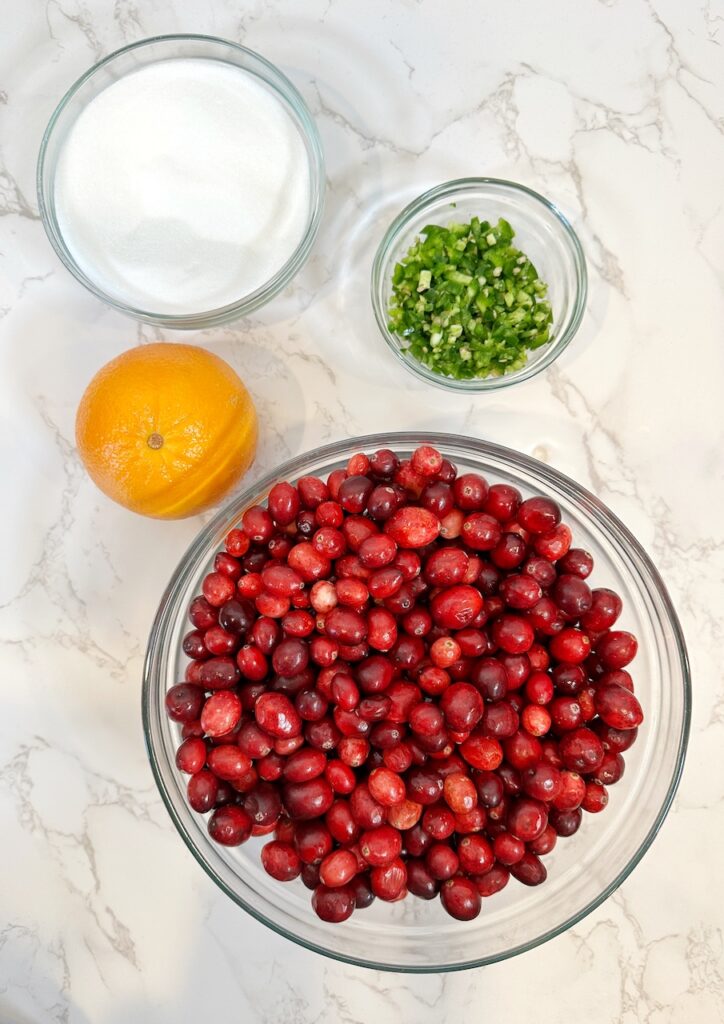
{"x": 583, "y": 870}
{"x": 141, "y": 54}
{"x": 541, "y": 231}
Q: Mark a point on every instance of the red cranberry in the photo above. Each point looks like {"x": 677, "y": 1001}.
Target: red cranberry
{"x": 611, "y": 769}
{"x": 281, "y": 861}
{"x": 306, "y": 763}
{"x": 566, "y": 822}
{"x": 577, "y": 562}
{"x": 460, "y": 898}
{"x": 383, "y": 464}
{"x": 456, "y": 607}
{"x": 571, "y": 645}
{"x": 492, "y": 881}
{"x": 439, "y": 821}
{"x": 459, "y": 792}
{"x": 475, "y": 854}
{"x": 202, "y": 615}
{"x": 470, "y": 491}
{"x": 202, "y": 791}
{"x": 305, "y": 800}
{"x": 616, "y": 649}
{"x": 508, "y": 849}
{"x": 595, "y": 798}
{"x": 338, "y": 868}
{"x": 441, "y": 861}
{"x": 219, "y": 673}
{"x": 183, "y": 702}
{"x": 617, "y": 706}
{"x": 386, "y": 787}
{"x": 412, "y": 527}
{"x": 191, "y": 755}
{"x": 367, "y": 812}
{"x": 333, "y": 905}
{"x": 230, "y": 825}
{"x": 513, "y": 634}
{"x": 554, "y": 544}
{"x": 572, "y": 595}
{"x": 538, "y": 515}
{"x": 388, "y": 882}
{"x": 605, "y": 609}
{"x": 462, "y": 706}
{"x": 509, "y": 552}
{"x": 381, "y": 845}
{"x": 276, "y": 715}
{"x": 419, "y": 880}
{"x": 481, "y": 532}
{"x": 529, "y": 870}
{"x": 581, "y": 750}
{"x": 228, "y": 762}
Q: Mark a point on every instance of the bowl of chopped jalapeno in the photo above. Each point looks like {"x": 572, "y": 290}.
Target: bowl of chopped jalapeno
{"x": 478, "y": 284}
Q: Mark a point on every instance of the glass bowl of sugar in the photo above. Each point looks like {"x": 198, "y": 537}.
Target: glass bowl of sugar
{"x": 181, "y": 180}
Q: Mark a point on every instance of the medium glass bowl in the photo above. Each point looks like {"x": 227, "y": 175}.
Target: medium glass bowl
{"x": 583, "y": 870}
{"x": 542, "y": 232}
{"x": 151, "y": 51}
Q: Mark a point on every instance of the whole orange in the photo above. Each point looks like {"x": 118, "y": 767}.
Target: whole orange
{"x": 166, "y": 430}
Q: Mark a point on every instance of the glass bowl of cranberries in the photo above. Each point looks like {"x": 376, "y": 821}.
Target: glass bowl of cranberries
{"x": 417, "y": 702}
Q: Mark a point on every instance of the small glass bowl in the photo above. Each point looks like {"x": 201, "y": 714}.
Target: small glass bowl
{"x": 151, "y": 51}
{"x": 413, "y": 935}
{"x": 542, "y": 232}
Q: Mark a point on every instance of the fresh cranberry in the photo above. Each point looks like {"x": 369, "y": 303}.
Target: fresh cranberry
{"x": 554, "y": 544}
{"x": 184, "y": 702}
{"x": 459, "y": 792}
{"x": 281, "y": 860}
{"x": 513, "y": 634}
{"x": 191, "y": 755}
{"x": 338, "y": 868}
{"x": 333, "y": 905}
{"x": 571, "y": 645}
{"x": 388, "y": 882}
{"x": 462, "y": 706}
{"x": 230, "y": 825}
{"x": 508, "y": 849}
{"x": 566, "y": 823}
{"x": 460, "y": 898}
{"x": 419, "y": 880}
{"x": 617, "y": 706}
{"x": 616, "y": 649}
{"x": 456, "y": 607}
{"x": 276, "y": 715}
{"x": 581, "y": 750}
{"x": 362, "y": 889}
{"x": 421, "y": 645}
{"x": 383, "y": 464}
{"x": 412, "y": 527}
{"x": 305, "y": 800}
{"x": 529, "y": 870}
{"x": 203, "y": 788}
{"x": 493, "y": 880}
{"x": 577, "y": 562}
{"x": 538, "y": 515}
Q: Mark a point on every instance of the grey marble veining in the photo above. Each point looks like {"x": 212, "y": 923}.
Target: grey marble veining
{"x": 615, "y": 108}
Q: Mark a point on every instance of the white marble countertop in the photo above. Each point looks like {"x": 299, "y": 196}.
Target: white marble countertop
{"x": 614, "y": 108}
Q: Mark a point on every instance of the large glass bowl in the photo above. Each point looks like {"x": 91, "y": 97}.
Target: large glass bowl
{"x": 542, "y": 232}
{"x": 142, "y": 54}
{"x": 583, "y": 870}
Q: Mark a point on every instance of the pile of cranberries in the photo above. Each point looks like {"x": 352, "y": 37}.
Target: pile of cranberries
{"x": 403, "y": 675}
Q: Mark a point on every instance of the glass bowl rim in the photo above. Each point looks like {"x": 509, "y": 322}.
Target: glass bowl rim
{"x": 554, "y": 348}
{"x": 267, "y": 291}
{"x": 606, "y": 519}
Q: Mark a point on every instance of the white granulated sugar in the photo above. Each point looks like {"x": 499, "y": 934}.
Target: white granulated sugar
{"x": 182, "y": 187}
